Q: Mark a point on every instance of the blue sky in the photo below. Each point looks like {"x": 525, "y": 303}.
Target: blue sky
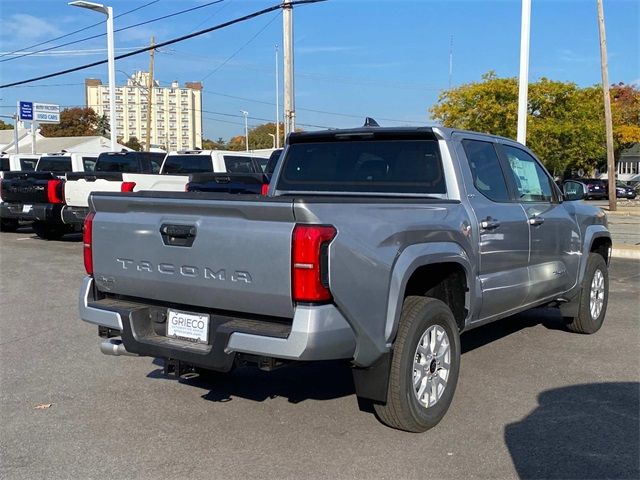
{"x": 354, "y": 58}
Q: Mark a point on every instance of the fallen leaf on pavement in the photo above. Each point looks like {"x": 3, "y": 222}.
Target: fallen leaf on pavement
{"x": 42, "y": 406}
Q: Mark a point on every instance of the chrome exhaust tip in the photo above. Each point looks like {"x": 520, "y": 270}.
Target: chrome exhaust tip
{"x": 114, "y": 346}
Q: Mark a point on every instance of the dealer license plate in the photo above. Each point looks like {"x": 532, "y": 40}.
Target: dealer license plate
{"x": 26, "y": 208}
{"x": 188, "y": 326}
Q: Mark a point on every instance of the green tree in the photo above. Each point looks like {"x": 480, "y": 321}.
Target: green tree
{"x": 133, "y": 144}
{"x": 102, "y": 126}
{"x": 74, "y": 122}
{"x": 5, "y": 126}
{"x": 565, "y": 125}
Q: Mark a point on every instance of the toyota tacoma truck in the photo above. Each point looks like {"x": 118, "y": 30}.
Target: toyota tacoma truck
{"x": 379, "y": 246}
{"x": 140, "y": 171}
{"x": 38, "y": 196}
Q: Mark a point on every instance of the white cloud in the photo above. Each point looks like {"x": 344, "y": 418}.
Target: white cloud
{"x": 27, "y": 27}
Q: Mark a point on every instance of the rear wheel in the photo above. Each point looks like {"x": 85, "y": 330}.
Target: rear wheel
{"x": 594, "y": 297}
{"x": 50, "y": 230}
{"x": 9, "y": 224}
{"x": 425, "y": 366}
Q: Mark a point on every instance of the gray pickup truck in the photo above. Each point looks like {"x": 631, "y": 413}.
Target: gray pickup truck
{"x": 374, "y": 245}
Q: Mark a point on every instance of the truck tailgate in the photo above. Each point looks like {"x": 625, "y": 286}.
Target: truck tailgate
{"x": 26, "y": 187}
{"x": 79, "y": 186}
{"x": 184, "y": 249}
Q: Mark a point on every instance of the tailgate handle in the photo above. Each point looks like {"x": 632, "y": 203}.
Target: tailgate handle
{"x": 178, "y": 235}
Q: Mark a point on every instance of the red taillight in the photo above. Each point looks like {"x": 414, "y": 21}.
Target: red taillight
{"x": 127, "y": 186}
{"x": 309, "y": 263}
{"x": 55, "y": 191}
{"x": 87, "y": 234}
{"x": 265, "y": 189}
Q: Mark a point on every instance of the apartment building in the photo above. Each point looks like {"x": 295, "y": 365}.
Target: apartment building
{"x": 176, "y": 113}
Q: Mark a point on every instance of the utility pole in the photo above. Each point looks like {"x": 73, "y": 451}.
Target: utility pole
{"x": 523, "y": 80}
{"x": 277, "y": 145}
{"x": 150, "y": 94}
{"x": 611, "y": 164}
{"x": 289, "y": 100}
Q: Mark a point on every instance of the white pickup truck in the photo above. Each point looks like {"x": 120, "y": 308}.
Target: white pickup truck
{"x": 142, "y": 171}
{"x": 18, "y": 162}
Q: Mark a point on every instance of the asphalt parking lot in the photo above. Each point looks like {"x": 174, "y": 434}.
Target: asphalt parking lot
{"x": 533, "y": 400}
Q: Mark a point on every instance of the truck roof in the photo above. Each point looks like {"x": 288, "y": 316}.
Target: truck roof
{"x": 428, "y": 132}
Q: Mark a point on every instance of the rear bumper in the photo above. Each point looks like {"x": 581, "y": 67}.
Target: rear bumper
{"x": 74, "y": 215}
{"x": 315, "y": 333}
{"x": 44, "y": 212}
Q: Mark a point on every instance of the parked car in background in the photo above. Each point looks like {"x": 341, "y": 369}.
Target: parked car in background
{"x": 623, "y": 190}
{"x": 112, "y": 172}
{"x": 38, "y": 196}
{"x": 16, "y": 162}
{"x": 150, "y": 171}
{"x": 596, "y": 188}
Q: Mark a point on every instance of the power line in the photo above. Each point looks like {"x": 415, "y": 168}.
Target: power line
{"x": 163, "y": 44}
{"x": 256, "y": 35}
{"x": 117, "y": 30}
{"x": 79, "y": 30}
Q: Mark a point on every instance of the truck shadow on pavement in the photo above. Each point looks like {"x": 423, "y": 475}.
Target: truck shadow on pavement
{"x": 332, "y": 379}
{"x": 296, "y": 382}
{"x": 579, "y": 432}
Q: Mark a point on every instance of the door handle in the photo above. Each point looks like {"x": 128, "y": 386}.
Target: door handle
{"x": 536, "y": 221}
{"x": 489, "y": 223}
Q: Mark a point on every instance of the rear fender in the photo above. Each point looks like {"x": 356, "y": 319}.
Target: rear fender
{"x": 409, "y": 261}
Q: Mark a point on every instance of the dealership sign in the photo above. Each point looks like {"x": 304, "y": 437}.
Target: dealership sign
{"x": 39, "y": 112}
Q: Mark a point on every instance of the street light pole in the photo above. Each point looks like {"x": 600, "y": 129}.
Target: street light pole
{"x": 246, "y": 129}
{"x": 108, "y": 11}
{"x": 277, "y": 102}
{"x": 525, "y": 29}
{"x": 289, "y": 96}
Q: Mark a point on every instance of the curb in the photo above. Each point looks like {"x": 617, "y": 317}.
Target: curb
{"x": 631, "y": 251}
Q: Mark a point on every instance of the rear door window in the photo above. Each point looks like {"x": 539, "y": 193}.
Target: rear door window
{"x": 4, "y": 164}
{"x": 89, "y": 163}
{"x": 196, "y": 163}
{"x": 376, "y": 166}
{"x": 239, "y": 164}
{"x": 532, "y": 183}
{"x": 54, "y": 164}
{"x": 28, "y": 163}
{"x": 488, "y": 177}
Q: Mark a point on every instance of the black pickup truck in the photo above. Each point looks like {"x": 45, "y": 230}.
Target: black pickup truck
{"x": 38, "y": 196}
{"x": 247, "y": 183}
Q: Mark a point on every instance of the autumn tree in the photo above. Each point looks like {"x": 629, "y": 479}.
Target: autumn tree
{"x": 218, "y": 144}
{"x": 74, "y": 122}
{"x": 5, "y": 126}
{"x": 625, "y": 109}
{"x": 565, "y": 125}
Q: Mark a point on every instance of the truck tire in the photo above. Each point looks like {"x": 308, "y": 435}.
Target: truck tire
{"x": 594, "y": 296}
{"x": 9, "y": 225}
{"x": 424, "y": 368}
{"x": 49, "y": 230}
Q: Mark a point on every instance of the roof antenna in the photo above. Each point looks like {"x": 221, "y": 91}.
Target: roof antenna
{"x": 370, "y": 122}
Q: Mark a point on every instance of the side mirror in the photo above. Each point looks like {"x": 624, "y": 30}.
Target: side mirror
{"x": 574, "y": 190}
